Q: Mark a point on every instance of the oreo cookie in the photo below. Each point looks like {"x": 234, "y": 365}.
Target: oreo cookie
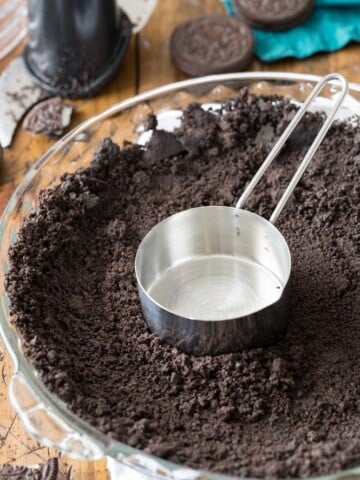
{"x": 50, "y": 469}
{"x": 273, "y": 14}
{"x": 211, "y": 44}
{"x": 45, "y": 471}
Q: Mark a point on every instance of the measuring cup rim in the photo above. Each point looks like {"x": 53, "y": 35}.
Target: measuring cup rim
{"x": 184, "y": 212}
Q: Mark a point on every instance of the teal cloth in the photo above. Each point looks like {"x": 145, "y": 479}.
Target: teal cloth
{"x": 333, "y": 24}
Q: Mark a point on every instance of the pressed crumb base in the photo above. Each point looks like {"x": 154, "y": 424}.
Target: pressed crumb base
{"x": 284, "y": 411}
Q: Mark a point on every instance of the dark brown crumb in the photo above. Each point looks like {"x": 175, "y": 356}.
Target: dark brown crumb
{"x": 291, "y": 410}
{"x": 151, "y": 122}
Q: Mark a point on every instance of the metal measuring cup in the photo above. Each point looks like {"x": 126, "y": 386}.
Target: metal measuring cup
{"x": 215, "y": 279}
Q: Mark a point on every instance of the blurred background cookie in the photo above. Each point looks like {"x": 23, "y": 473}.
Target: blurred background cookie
{"x": 211, "y": 44}
{"x": 273, "y": 14}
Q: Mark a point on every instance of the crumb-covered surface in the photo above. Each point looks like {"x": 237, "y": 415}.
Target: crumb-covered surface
{"x": 288, "y": 410}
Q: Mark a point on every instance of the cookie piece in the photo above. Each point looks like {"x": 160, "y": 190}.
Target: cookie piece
{"x": 50, "y": 469}
{"x": 49, "y": 117}
{"x": 211, "y": 44}
{"x": 273, "y": 14}
{"x": 45, "y": 471}
{"x": 162, "y": 145}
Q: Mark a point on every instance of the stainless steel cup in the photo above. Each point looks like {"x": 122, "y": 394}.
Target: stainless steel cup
{"x": 215, "y": 279}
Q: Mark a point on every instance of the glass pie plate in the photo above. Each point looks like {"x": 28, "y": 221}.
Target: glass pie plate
{"x": 43, "y": 415}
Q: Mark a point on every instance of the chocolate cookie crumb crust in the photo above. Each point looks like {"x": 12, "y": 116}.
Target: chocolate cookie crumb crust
{"x": 291, "y": 410}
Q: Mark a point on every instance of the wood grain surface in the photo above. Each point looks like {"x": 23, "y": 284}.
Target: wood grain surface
{"x": 147, "y": 65}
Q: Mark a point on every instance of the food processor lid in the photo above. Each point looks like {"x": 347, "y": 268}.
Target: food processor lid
{"x": 138, "y": 11}
{"x": 74, "y": 49}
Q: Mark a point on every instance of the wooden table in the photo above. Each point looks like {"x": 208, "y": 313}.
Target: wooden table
{"x": 147, "y": 65}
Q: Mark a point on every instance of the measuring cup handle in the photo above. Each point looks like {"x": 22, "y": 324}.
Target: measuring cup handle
{"x": 284, "y": 137}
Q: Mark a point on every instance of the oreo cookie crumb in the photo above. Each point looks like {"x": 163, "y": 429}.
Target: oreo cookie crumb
{"x": 150, "y": 122}
{"x": 290, "y": 410}
{"x": 161, "y": 145}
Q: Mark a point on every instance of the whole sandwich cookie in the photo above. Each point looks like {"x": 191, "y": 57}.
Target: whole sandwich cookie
{"x": 273, "y": 14}
{"x": 211, "y": 44}
{"x": 45, "y": 471}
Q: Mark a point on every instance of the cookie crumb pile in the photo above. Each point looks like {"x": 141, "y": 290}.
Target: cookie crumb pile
{"x": 290, "y": 410}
